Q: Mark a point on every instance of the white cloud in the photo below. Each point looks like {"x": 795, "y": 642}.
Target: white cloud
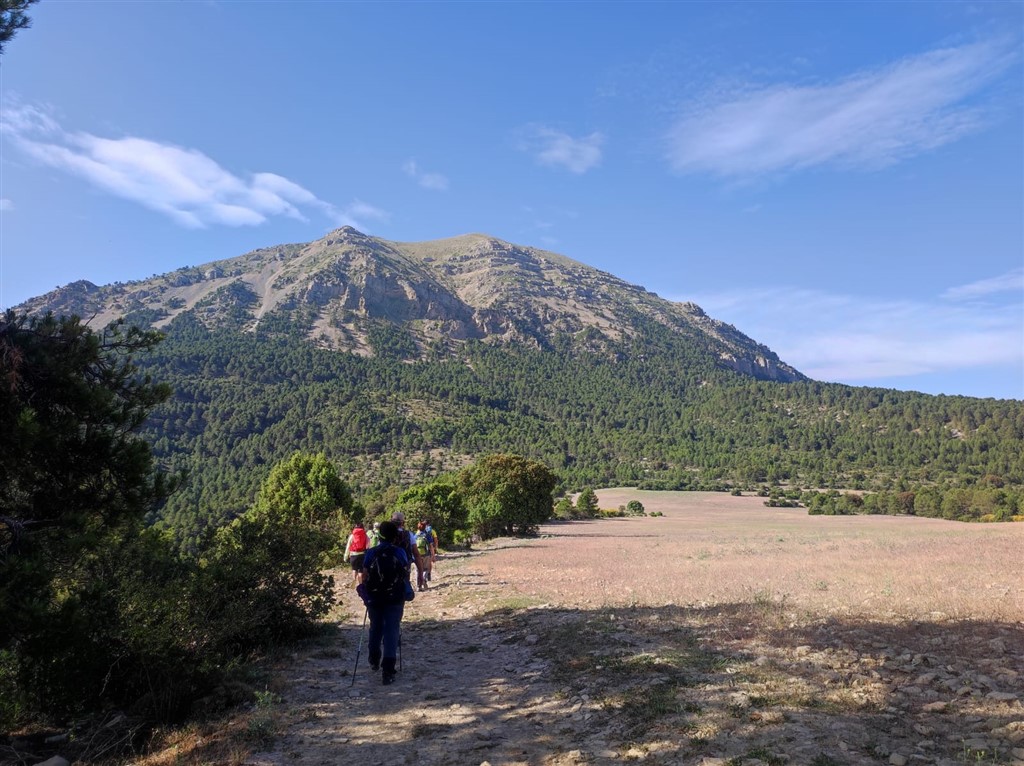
{"x": 557, "y": 149}
{"x": 432, "y": 181}
{"x": 184, "y": 184}
{"x": 1011, "y": 281}
{"x": 849, "y": 338}
{"x": 358, "y": 214}
{"x": 6, "y": 204}
{"x": 868, "y": 120}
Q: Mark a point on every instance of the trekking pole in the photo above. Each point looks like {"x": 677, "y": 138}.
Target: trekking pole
{"x": 399, "y": 646}
{"x": 359, "y": 649}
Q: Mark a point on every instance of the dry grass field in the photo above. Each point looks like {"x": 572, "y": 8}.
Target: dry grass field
{"x": 723, "y": 633}
{"x": 711, "y": 548}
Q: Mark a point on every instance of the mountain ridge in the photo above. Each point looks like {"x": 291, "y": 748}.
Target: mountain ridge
{"x": 440, "y": 292}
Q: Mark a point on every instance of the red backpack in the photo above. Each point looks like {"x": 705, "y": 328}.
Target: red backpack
{"x": 358, "y": 540}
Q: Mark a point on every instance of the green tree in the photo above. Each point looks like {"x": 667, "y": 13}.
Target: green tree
{"x": 586, "y": 504}
{"x": 263, "y": 578}
{"x": 13, "y": 18}
{"x": 507, "y": 494}
{"x": 75, "y": 485}
{"x": 439, "y": 503}
{"x": 306, "y": 489}
{"x": 564, "y": 509}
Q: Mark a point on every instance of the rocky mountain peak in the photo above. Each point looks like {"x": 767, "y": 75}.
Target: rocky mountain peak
{"x": 438, "y": 294}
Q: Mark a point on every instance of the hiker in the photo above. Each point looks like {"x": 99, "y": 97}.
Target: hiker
{"x": 374, "y": 535}
{"x": 405, "y": 542}
{"x": 384, "y": 590}
{"x": 433, "y": 544}
{"x": 422, "y": 540}
{"x": 355, "y": 549}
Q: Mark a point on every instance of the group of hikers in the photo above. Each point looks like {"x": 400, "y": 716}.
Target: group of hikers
{"x": 381, "y": 562}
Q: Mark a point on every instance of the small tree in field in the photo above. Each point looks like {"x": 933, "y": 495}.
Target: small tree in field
{"x": 507, "y": 494}
{"x": 586, "y": 504}
{"x": 635, "y": 508}
{"x": 564, "y": 509}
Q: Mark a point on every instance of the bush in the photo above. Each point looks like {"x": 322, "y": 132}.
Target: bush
{"x": 564, "y": 509}
{"x": 506, "y": 494}
{"x": 438, "y": 502}
{"x": 635, "y": 508}
{"x": 463, "y": 538}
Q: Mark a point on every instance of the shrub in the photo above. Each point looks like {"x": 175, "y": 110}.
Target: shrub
{"x": 506, "y": 494}
{"x": 438, "y": 502}
{"x": 635, "y": 508}
{"x": 463, "y": 538}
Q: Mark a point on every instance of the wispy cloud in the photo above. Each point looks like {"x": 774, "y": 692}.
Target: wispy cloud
{"x": 432, "y": 181}
{"x": 1011, "y": 281}
{"x": 358, "y": 214}
{"x": 182, "y": 183}
{"x": 849, "y": 338}
{"x": 557, "y": 149}
{"x": 6, "y": 204}
{"x": 867, "y": 120}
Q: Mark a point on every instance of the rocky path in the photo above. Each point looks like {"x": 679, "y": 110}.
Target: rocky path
{"x": 497, "y": 671}
{"x": 464, "y": 694}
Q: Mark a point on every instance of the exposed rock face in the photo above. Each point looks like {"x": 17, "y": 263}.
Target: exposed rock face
{"x": 447, "y": 291}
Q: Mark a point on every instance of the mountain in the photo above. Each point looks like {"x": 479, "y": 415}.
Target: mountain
{"x": 401, "y": 361}
{"x": 348, "y": 291}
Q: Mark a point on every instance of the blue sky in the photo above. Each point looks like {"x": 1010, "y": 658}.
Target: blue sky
{"x": 844, "y": 182}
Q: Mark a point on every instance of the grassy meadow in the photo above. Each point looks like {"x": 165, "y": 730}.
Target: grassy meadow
{"x": 714, "y": 549}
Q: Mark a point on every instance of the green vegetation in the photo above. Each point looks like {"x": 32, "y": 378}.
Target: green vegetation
{"x": 438, "y": 502}
{"x": 116, "y": 589}
{"x": 651, "y": 412}
{"x": 97, "y": 609}
{"x": 13, "y": 18}
{"x": 983, "y": 502}
{"x": 506, "y": 494}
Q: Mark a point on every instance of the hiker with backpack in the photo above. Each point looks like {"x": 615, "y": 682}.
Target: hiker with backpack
{"x": 406, "y": 543}
{"x": 355, "y": 549}
{"x": 374, "y": 535}
{"x": 384, "y": 590}
{"x": 423, "y": 543}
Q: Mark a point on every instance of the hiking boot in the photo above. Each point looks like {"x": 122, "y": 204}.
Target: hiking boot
{"x": 374, "y": 662}
{"x": 388, "y": 676}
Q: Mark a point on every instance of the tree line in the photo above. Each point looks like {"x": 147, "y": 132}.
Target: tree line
{"x": 650, "y": 412}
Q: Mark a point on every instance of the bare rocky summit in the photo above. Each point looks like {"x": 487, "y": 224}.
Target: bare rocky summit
{"x": 336, "y": 290}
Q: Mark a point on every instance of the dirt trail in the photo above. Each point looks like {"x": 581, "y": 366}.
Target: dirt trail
{"x": 464, "y": 695}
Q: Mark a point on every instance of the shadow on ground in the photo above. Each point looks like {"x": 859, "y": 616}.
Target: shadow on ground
{"x": 662, "y": 685}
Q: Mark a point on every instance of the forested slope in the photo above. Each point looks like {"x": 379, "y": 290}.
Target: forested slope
{"x": 649, "y": 411}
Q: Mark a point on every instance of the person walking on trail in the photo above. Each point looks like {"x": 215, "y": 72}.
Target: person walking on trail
{"x": 374, "y": 535}
{"x": 405, "y": 542}
{"x": 432, "y": 533}
{"x": 422, "y": 540}
{"x": 355, "y": 549}
{"x": 384, "y": 590}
